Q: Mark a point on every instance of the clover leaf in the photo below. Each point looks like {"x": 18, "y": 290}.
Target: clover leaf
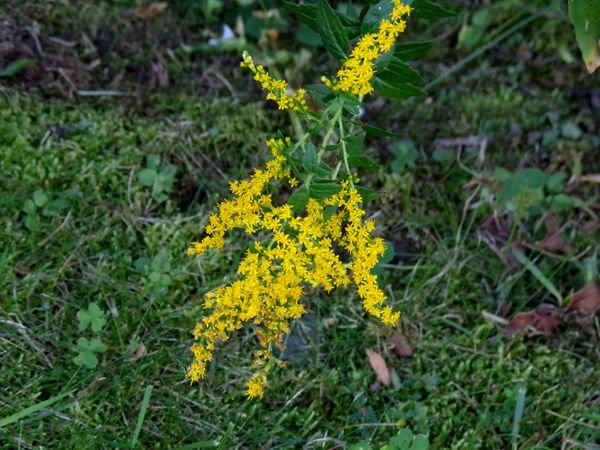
{"x": 87, "y": 349}
{"x": 94, "y": 316}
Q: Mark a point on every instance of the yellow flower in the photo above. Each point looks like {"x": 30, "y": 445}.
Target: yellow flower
{"x": 255, "y": 387}
{"x": 302, "y": 252}
{"x": 356, "y": 73}
{"x": 329, "y": 245}
{"x": 277, "y": 90}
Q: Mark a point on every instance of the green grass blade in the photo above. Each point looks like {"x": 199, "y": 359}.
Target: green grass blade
{"x": 32, "y": 409}
{"x": 199, "y": 444}
{"x": 530, "y": 265}
{"x": 227, "y": 436}
{"x": 480, "y": 51}
{"x": 519, "y": 408}
{"x": 142, "y": 415}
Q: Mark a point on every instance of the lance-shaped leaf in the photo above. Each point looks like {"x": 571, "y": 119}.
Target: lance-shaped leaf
{"x": 397, "y": 71}
{"x": 396, "y": 90}
{"x": 306, "y": 13}
{"x": 332, "y": 30}
{"x": 412, "y": 50}
{"x": 425, "y": 9}
{"x": 323, "y": 189}
{"x": 585, "y": 17}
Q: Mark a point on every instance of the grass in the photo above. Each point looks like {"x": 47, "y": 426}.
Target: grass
{"x": 101, "y": 234}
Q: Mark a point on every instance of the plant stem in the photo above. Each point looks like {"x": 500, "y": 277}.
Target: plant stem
{"x": 344, "y": 152}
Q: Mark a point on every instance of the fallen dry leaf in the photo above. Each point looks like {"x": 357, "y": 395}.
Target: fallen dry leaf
{"x": 496, "y": 234}
{"x": 380, "y": 367}
{"x": 150, "y": 11}
{"x": 543, "y": 320}
{"x": 553, "y": 242}
{"x": 402, "y": 348}
{"x": 586, "y": 300}
{"x": 139, "y": 353}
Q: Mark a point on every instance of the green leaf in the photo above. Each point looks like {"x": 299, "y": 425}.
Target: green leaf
{"x": 29, "y": 207}
{"x": 309, "y": 159}
{"x": 298, "y": 199}
{"x": 323, "y": 170}
{"x": 323, "y": 189}
{"x": 87, "y": 359}
{"x": 152, "y": 161}
{"x": 412, "y": 51}
{"x": 367, "y": 194}
{"x": 472, "y": 34}
{"x": 165, "y": 280}
{"x": 420, "y": 442}
{"x": 160, "y": 263}
{"x": 58, "y": 205}
{"x": 585, "y": 17}
{"x": 362, "y": 445}
{"x": 141, "y": 264}
{"x": 350, "y": 103}
{"x": 375, "y": 15}
{"x": 16, "y": 67}
{"x": 355, "y": 144}
{"x": 378, "y": 132}
{"x": 562, "y": 202}
{"x": 147, "y": 177}
{"x": 94, "y": 345}
{"x": 32, "y": 222}
{"x": 399, "y": 90}
{"x": 397, "y": 71}
{"x": 307, "y": 36}
{"x": 332, "y": 30}
{"x": 362, "y": 161}
{"x": 406, "y": 155}
{"x": 39, "y": 198}
{"x": 94, "y": 316}
{"x": 425, "y": 9}
{"x": 402, "y": 440}
{"x": 555, "y": 182}
{"x": 87, "y": 352}
{"x": 154, "y": 277}
{"x": 533, "y": 178}
{"x": 570, "y": 130}
{"x": 319, "y": 92}
{"x": 306, "y": 13}
{"x": 501, "y": 174}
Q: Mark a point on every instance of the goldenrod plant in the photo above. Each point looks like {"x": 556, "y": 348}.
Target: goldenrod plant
{"x": 320, "y": 237}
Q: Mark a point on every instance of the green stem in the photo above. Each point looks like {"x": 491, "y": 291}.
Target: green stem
{"x": 299, "y": 143}
{"x": 344, "y": 152}
{"x": 336, "y": 171}
{"x": 297, "y": 125}
{"x": 329, "y": 133}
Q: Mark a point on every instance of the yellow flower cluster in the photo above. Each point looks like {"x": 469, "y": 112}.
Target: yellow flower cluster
{"x": 358, "y": 70}
{"x": 296, "y": 252}
{"x": 277, "y": 90}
